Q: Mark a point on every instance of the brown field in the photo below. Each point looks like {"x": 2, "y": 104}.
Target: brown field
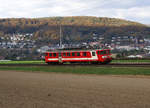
{"x": 51, "y": 90}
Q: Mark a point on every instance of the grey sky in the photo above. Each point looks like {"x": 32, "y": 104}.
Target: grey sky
{"x": 134, "y": 10}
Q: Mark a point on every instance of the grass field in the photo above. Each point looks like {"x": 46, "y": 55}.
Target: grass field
{"x": 84, "y": 70}
{"x": 22, "y": 62}
{"x": 131, "y": 61}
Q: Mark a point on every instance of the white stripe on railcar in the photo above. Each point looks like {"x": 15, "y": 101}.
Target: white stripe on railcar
{"x": 53, "y": 59}
{"x": 79, "y": 59}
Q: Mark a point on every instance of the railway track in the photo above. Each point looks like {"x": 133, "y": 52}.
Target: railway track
{"x": 96, "y": 65}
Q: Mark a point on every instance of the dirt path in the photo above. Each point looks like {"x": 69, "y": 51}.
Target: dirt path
{"x": 51, "y": 90}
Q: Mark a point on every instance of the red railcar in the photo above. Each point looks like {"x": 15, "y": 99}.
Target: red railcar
{"x": 97, "y": 56}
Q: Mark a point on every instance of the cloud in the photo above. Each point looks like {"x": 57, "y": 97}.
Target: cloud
{"x": 136, "y": 10}
{"x": 138, "y": 14}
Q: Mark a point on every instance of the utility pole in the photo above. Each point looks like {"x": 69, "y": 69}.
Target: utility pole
{"x": 60, "y": 44}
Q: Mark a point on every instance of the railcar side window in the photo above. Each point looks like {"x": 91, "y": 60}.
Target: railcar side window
{"x": 59, "y": 54}
{"x": 64, "y": 54}
{"x": 54, "y": 54}
{"x": 73, "y": 54}
{"x": 84, "y": 54}
{"x": 50, "y": 54}
{"x": 68, "y": 54}
{"x": 78, "y": 54}
{"x": 93, "y": 53}
{"x": 46, "y": 54}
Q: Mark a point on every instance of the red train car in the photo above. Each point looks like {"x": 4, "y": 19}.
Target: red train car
{"x": 98, "y": 56}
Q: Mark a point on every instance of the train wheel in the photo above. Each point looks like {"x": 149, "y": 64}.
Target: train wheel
{"x": 106, "y": 62}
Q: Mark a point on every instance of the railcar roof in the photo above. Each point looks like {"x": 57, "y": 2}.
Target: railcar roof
{"x": 75, "y": 50}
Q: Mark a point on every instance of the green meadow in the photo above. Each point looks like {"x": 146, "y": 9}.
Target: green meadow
{"x": 22, "y": 62}
{"x": 81, "y": 70}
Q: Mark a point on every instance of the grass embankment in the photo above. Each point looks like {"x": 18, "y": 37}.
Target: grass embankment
{"x": 22, "y": 62}
{"x": 84, "y": 70}
{"x": 131, "y": 61}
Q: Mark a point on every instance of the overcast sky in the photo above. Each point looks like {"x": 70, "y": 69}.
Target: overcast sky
{"x": 134, "y": 10}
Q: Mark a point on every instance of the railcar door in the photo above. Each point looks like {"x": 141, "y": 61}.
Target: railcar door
{"x": 94, "y": 56}
{"x": 59, "y": 57}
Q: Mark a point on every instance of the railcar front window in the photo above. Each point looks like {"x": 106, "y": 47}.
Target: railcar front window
{"x": 103, "y": 52}
{"x": 108, "y": 52}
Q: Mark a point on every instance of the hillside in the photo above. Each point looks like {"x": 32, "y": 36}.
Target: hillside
{"x": 79, "y": 28}
{"x": 88, "y": 21}
{"x": 75, "y": 21}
